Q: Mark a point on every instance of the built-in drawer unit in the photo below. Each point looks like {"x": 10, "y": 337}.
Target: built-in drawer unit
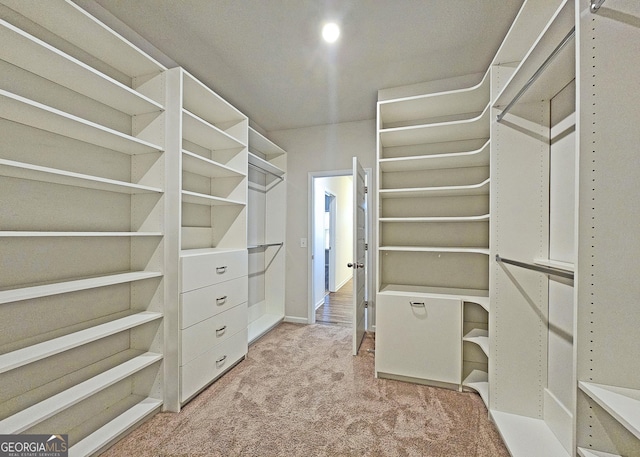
{"x": 208, "y": 366}
{"x": 201, "y": 337}
{"x": 418, "y": 337}
{"x": 200, "y": 304}
{"x": 201, "y": 269}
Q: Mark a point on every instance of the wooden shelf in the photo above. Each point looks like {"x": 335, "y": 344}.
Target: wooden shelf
{"x": 464, "y": 250}
{"x": 475, "y": 158}
{"x": 557, "y": 75}
{"x": 34, "y": 114}
{"x": 622, "y": 403}
{"x": 201, "y": 132}
{"x": 39, "y": 412}
{"x": 42, "y": 59}
{"x": 115, "y": 428}
{"x": 30, "y": 292}
{"x": 262, "y": 325}
{"x": 264, "y": 165}
{"x": 408, "y": 109}
{"x": 481, "y": 218}
{"x": 582, "y": 452}
{"x": 467, "y": 129}
{"x": 442, "y": 191}
{"x": 479, "y": 381}
{"x": 261, "y": 145}
{"x": 479, "y": 337}
{"x": 88, "y": 34}
{"x": 20, "y": 170}
{"x": 203, "y": 199}
{"x": 527, "y": 437}
{"x": 194, "y": 163}
{"x": 21, "y": 357}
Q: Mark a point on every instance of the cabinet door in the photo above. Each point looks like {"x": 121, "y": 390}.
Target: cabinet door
{"x": 201, "y": 270}
{"x": 200, "y": 304}
{"x": 419, "y": 337}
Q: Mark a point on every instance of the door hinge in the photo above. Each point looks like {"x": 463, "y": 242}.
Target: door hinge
{"x": 366, "y": 189}
{"x": 366, "y": 304}
{"x": 366, "y": 246}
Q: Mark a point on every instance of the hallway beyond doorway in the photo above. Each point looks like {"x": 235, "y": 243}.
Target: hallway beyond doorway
{"x": 337, "y": 307}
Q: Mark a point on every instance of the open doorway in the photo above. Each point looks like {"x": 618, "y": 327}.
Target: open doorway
{"x": 332, "y": 246}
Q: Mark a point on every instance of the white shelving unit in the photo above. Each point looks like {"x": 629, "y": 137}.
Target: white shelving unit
{"x": 267, "y": 222}
{"x": 207, "y": 144}
{"x": 83, "y": 186}
{"x": 433, "y": 221}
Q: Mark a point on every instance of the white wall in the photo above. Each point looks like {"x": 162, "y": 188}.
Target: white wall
{"x": 314, "y": 149}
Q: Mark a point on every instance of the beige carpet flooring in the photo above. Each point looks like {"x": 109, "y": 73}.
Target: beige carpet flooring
{"x": 300, "y": 392}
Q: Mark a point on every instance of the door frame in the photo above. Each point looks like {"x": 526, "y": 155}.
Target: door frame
{"x": 312, "y": 175}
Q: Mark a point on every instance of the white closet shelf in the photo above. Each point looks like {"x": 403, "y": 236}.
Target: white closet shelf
{"x": 527, "y": 437}
{"x": 209, "y": 200}
{"x": 435, "y": 292}
{"x": 481, "y": 218}
{"x": 622, "y": 403}
{"x": 33, "y": 114}
{"x": 480, "y": 337}
{"x": 115, "y": 428}
{"x": 479, "y": 381}
{"x": 28, "y": 171}
{"x": 206, "y": 104}
{"x": 21, "y": 357}
{"x": 262, "y": 325}
{"x": 36, "y": 56}
{"x": 261, "y": 145}
{"x": 88, "y": 34}
{"x": 43, "y": 234}
{"x": 482, "y": 301}
{"x": 194, "y": 163}
{"x": 463, "y": 250}
{"x": 475, "y": 158}
{"x": 557, "y": 75}
{"x": 470, "y": 99}
{"x": 40, "y": 412}
{"x": 205, "y": 134}
{"x": 442, "y": 191}
{"x": 38, "y": 291}
{"x": 583, "y": 452}
{"x": 206, "y": 251}
{"x": 466, "y": 129}
{"x": 264, "y": 165}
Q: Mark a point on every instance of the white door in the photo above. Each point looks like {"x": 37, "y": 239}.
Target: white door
{"x": 359, "y": 254}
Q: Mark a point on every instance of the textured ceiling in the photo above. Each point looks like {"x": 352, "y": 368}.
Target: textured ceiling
{"x": 266, "y": 57}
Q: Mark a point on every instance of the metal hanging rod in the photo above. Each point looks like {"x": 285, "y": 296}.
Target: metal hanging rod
{"x": 266, "y": 171}
{"x": 595, "y": 5}
{"x": 537, "y": 74}
{"x": 258, "y": 246}
{"x": 539, "y": 268}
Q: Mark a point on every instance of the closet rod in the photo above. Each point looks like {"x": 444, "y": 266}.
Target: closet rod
{"x": 266, "y": 171}
{"x": 257, "y": 246}
{"x": 595, "y": 5}
{"x": 537, "y": 74}
{"x": 539, "y": 268}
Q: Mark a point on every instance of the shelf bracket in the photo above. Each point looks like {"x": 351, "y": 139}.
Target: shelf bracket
{"x": 595, "y": 5}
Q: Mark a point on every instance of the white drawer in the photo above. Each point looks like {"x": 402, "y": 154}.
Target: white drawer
{"x": 208, "y": 366}
{"x": 200, "y": 304}
{"x": 201, "y": 337}
{"x": 419, "y": 337}
{"x": 204, "y": 269}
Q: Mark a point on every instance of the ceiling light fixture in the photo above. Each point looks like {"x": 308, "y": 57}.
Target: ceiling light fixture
{"x": 330, "y": 32}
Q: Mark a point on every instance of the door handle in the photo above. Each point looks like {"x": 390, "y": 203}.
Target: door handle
{"x": 355, "y": 265}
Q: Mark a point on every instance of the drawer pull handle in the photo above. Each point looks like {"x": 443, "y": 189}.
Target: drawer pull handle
{"x": 221, "y": 270}
{"x": 221, "y": 329}
{"x": 417, "y": 303}
{"x": 221, "y": 359}
{"x": 221, "y": 300}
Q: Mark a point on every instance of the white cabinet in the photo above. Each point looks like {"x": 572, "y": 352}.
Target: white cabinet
{"x": 266, "y": 234}
{"x": 419, "y": 339}
{"x": 83, "y": 223}
{"x": 433, "y": 213}
{"x": 207, "y": 155}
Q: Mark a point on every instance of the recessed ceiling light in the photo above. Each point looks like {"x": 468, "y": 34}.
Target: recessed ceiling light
{"x": 330, "y": 32}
